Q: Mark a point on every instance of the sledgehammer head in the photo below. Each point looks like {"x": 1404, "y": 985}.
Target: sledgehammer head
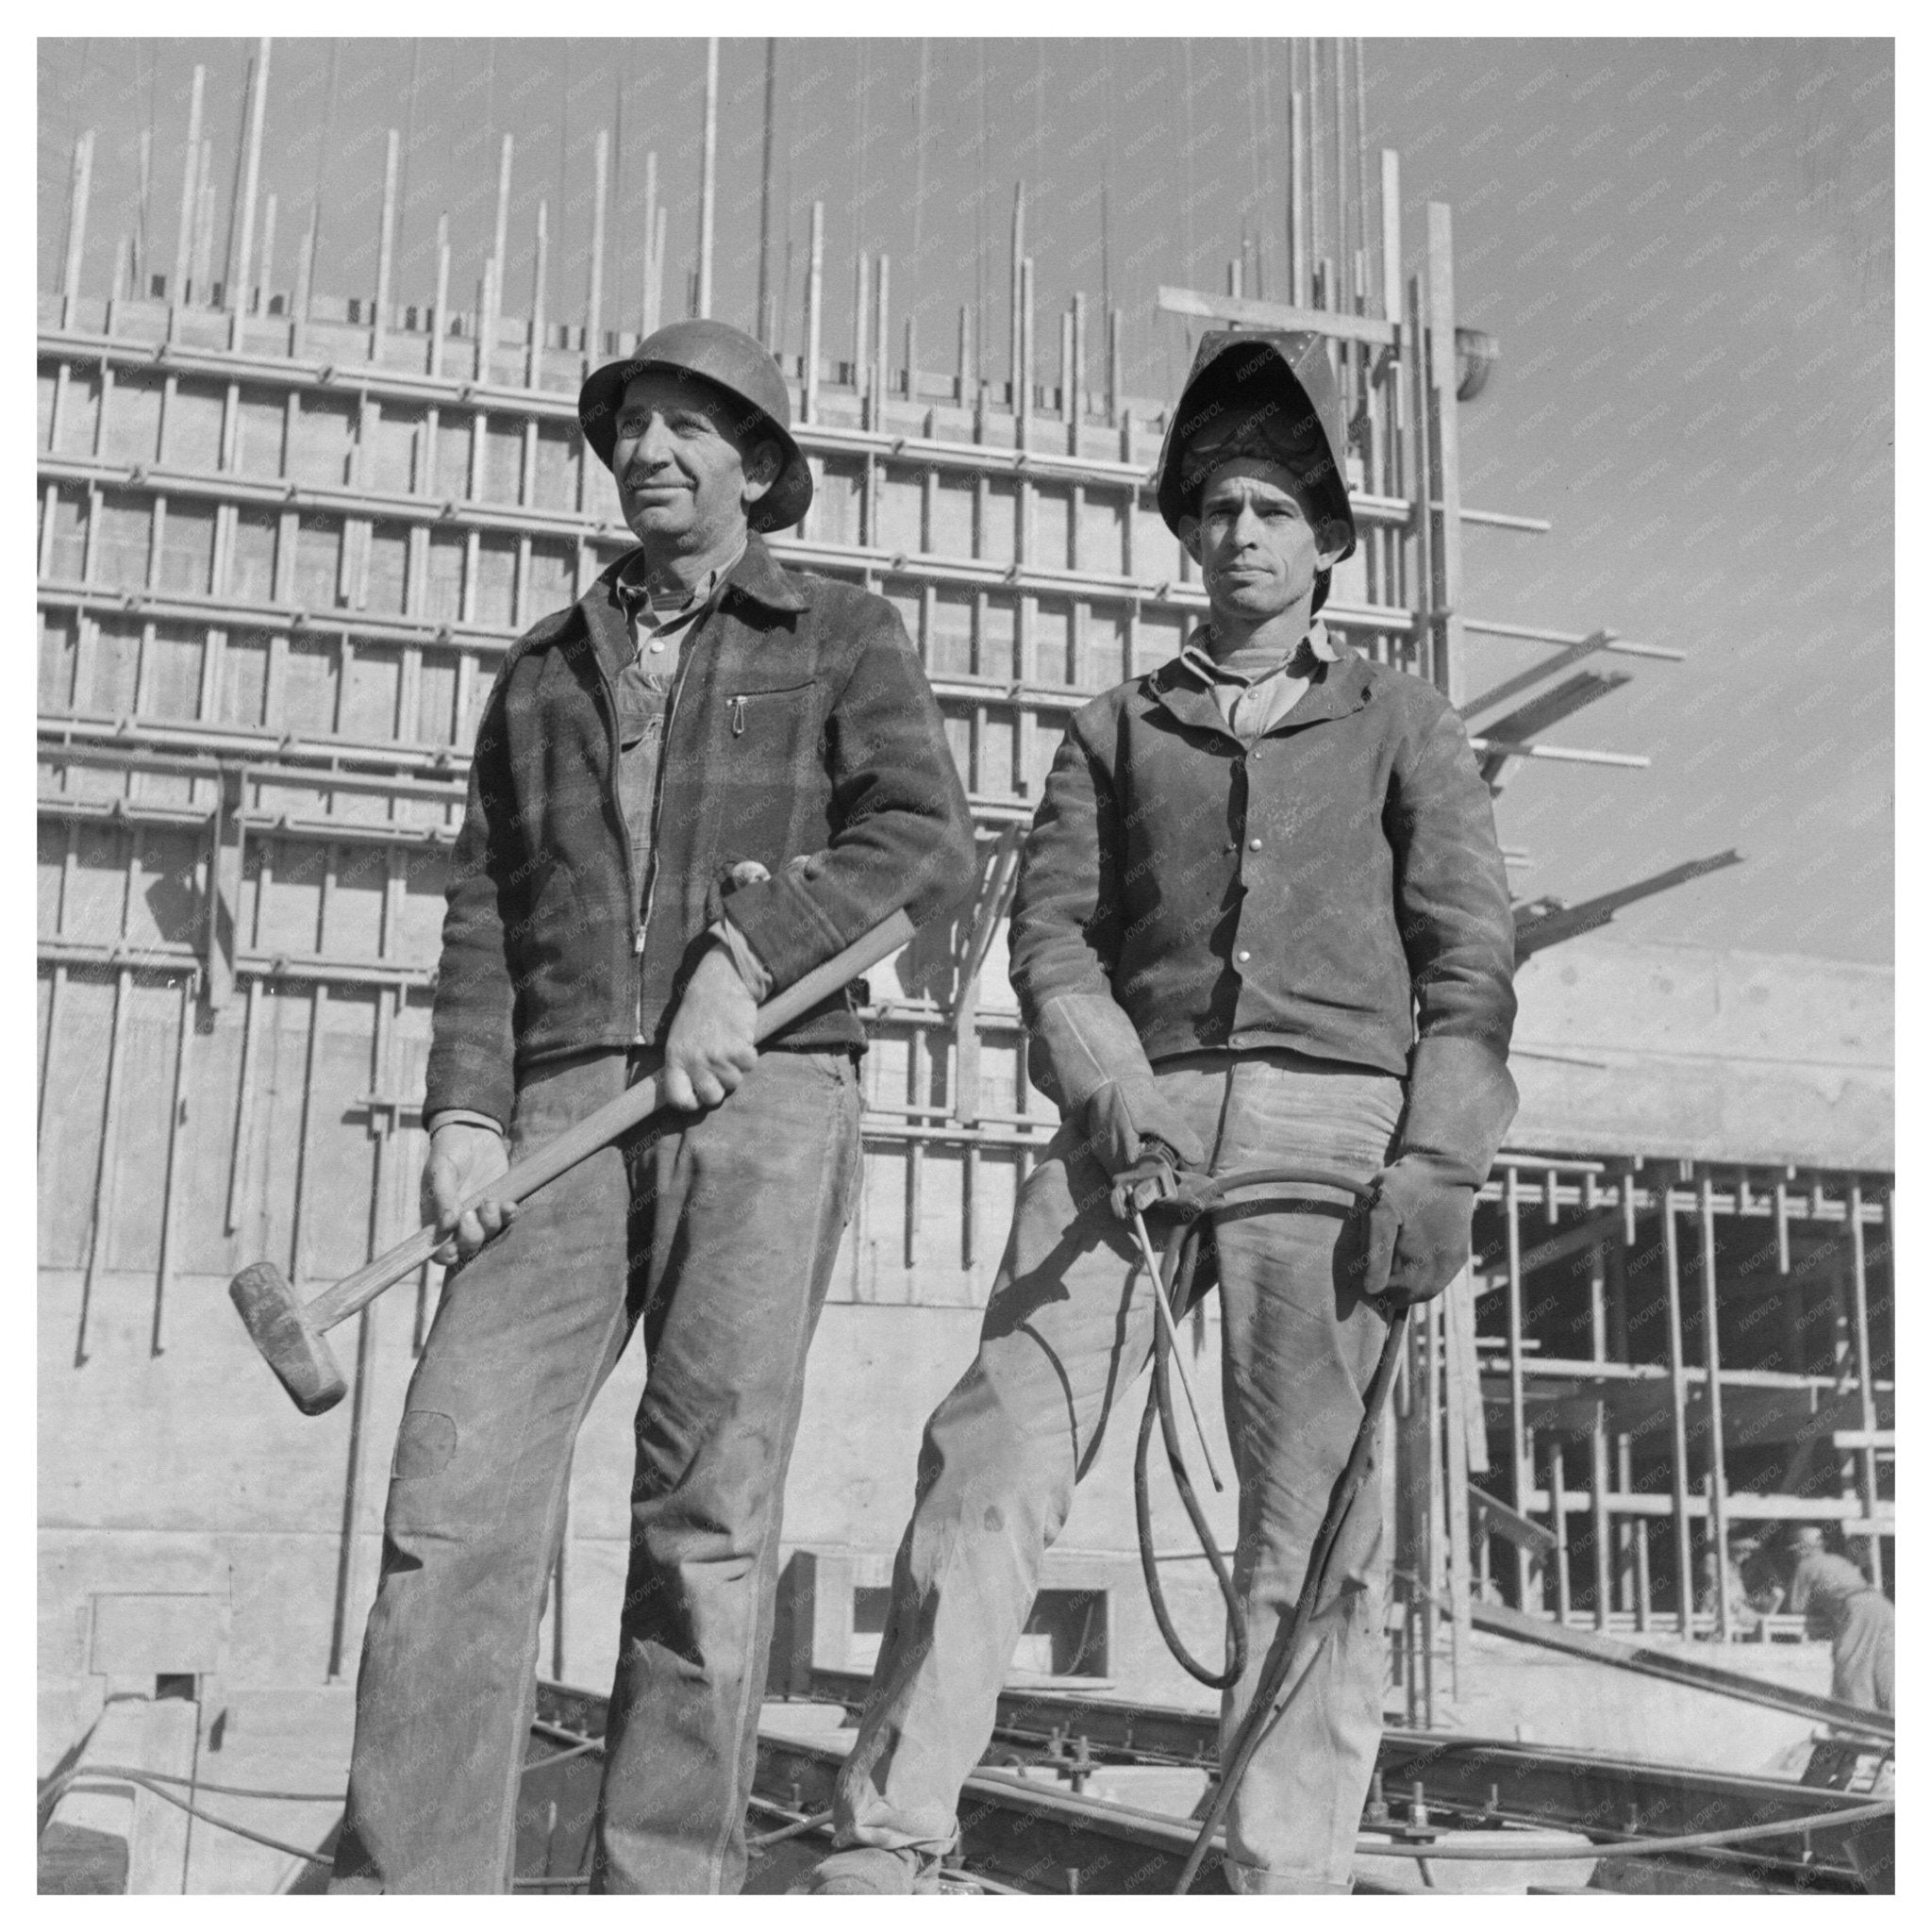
{"x": 276, "y": 1324}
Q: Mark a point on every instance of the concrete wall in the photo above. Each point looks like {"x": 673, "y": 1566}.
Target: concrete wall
{"x": 1704, "y": 1055}
{"x": 191, "y": 1520}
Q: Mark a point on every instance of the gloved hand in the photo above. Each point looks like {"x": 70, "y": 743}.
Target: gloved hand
{"x": 1159, "y": 1178}
{"x": 1418, "y": 1231}
{"x": 1144, "y": 1162}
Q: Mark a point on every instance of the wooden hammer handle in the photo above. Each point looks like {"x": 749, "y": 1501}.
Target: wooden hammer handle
{"x": 543, "y": 1164}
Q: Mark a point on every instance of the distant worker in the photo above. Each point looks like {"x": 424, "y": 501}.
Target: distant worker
{"x": 1262, "y": 919}
{"x": 1837, "y": 1600}
{"x": 1744, "y": 1614}
{"x": 704, "y": 778}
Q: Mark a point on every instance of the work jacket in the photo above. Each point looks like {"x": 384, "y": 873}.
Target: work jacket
{"x": 1334, "y": 887}
{"x": 801, "y": 737}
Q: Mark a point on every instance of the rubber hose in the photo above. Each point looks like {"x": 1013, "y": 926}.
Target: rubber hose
{"x": 1183, "y": 1250}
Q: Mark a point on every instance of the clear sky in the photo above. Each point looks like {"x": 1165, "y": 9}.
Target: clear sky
{"x": 1685, "y": 249}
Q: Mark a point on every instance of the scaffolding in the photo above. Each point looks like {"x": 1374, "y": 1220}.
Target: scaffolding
{"x": 285, "y": 540}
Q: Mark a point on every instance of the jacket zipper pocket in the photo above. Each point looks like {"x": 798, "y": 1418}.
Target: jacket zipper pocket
{"x": 738, "y": 716}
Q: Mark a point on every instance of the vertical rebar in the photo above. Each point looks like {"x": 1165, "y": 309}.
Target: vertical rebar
{"x": 707, "y": 178}
{"x": 439, "y": 320}
{"x": 386, "y": 247}
{"x": 766, "y": 312}
{"x": 1445, "y": 485}
{"x": 533, "y": 353}
{"x": 268, "y": 248}
{"x": 656, "y": 233}
{"x": 190, "y": 181}
{"x": 78, "y": 186}
{"x": 487, "y": 337}
{"x": 238, "y": 296}
{"x": 593, "y": 320}
{"x": 1015, "y": 344}
{"x": 814, "y": 311}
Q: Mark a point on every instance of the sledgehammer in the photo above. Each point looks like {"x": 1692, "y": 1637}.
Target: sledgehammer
{"x": 289, "y": 1332}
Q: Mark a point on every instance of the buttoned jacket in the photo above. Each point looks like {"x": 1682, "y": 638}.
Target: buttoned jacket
{"x": 1335, "y": 887}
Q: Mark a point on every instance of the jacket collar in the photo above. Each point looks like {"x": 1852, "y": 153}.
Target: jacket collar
{"x": 1336, "y": 689}
{"x": 759, "y": 575}
{"x": 756, "y": 577}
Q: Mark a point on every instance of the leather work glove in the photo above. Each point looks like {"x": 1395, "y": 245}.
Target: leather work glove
{"x": 1418, "y": 1231}
{"x": 710, "y": 1048}
{"x": 1084, "y": 1054}
{"x": 1159, "y": 1177}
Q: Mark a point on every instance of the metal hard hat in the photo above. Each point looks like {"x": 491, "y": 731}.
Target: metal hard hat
{"x": 727, "y": 361}
{"x": 1258, "y": 386}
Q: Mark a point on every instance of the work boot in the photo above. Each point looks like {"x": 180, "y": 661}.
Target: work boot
{"x": 873, "y": 1871}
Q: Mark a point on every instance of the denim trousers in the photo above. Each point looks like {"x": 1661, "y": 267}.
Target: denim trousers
{"x": 716, "y": 1235}
{"x": 1068, "y": 1329}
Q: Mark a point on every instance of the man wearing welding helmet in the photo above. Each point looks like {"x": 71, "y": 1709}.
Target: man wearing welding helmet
{"x": 1262, "y": 920}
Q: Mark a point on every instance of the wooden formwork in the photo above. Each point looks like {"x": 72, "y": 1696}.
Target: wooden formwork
{"x": 283, "y": 544}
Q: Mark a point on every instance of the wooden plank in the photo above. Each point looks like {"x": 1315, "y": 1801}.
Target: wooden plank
{"x": 1504, "y": 1622}
{"x": 1432, "y": 1553}
{"x": 1520, "y": 1473}
{"x": 1462, "y": 1389}
{"x": 56, "y": 987}
{"x": 1559, "y": 1527}
{"x": 1446, "y": 441}
{"x": 1419, "y": 468}
{"x": 1245, "y": 312}
{"x": 1599, "y": 1443}
{"x": 1680, "y": 1451}
{"x": 1498, "y": 1519}
{"x": 242, "y": 1156}
{"x": 1464, "y": 1367}
{"x": 1861, "y": 1333}
{"x": 305, "y": 1148}
{"x": 1719, "y": 1524}
{"x": 104, "y": 1161}
{"x": 172, "y": 1184}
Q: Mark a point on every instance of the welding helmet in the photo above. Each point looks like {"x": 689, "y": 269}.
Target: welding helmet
{"x": 734, "y": 368}
{"x": 1260, "y": 393}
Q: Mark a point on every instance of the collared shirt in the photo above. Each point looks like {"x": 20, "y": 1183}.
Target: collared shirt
{"x": 658, "y": 621}
{"x": 1256, "y": 691}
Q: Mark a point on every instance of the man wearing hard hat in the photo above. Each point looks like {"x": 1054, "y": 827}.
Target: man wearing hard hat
{"x": 1261, "y": 917}
{"x": 704, "y": 779}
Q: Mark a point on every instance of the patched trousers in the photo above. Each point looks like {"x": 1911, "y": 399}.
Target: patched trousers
{"x": 1067, "y": 1331}
{"x": 716, "y": 1234}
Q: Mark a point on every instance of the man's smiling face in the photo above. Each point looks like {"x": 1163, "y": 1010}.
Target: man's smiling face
{"x": 685, "y": 475}
{"x": 1257, "y": 540}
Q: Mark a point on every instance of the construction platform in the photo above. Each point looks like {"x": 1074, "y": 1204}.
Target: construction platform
{"x": 1073, "y": 1794}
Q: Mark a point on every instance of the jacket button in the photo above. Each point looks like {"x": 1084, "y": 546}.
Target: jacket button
{"x": 1254, "y": 844}
{"x": 1242, "y": 956}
